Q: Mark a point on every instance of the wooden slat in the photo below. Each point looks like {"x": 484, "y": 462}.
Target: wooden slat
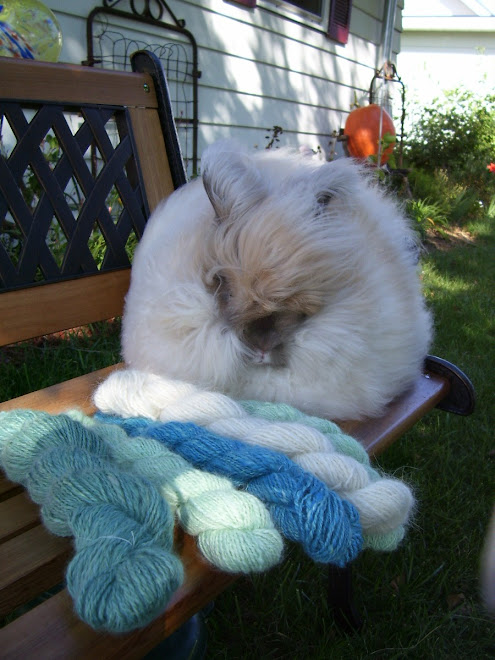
{"x": 52, "y": 630}
{"x": 63, "y": 396}
{"x": 152, "y": 155}
{"x": 378, "y": 434}
{"x": 30, "y": 564}
{"x": 17, "y": 514}
{"x": 72, "y": 84}
{"x": 40, "y": 310}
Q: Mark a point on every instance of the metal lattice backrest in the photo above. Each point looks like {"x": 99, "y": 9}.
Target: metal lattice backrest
{"x": 70, "y": 200}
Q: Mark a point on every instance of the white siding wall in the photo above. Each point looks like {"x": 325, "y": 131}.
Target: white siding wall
{"x": 433, "y": 61}
{"x": 260, "y": 69}
{"x": 447, "y": 44}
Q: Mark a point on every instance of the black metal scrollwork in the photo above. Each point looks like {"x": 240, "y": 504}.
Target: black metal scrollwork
{"x": 148, "y": 9}
{"x": 109, "y": 44}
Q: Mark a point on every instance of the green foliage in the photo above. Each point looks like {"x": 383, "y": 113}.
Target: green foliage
{"x": 458, "y": 203}
{"x": 32, "y": 189}
{"x": 490, "y": 211}
{"x": 449, "y": 147}
{"x": 31, "y": 365}
{"x": 426, "y": 215}
{"x": 388, "y": 140}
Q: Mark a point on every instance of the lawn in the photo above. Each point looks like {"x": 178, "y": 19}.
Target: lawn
{"x": 422, "y": 601}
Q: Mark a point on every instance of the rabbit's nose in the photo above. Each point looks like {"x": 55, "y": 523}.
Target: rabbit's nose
{"x": 262, "y": 333}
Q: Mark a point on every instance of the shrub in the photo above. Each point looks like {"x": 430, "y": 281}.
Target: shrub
{"x": 450, "y": 145}
{"x": 457, "y": 201}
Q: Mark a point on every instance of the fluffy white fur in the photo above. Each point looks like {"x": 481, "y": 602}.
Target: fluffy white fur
{"x": 317, "y": 249}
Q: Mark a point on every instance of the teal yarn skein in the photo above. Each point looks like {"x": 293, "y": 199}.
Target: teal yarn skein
{"x": 234, "y": 529}
{"x": 123, "y": 573}
{"x": 302, "y": 507}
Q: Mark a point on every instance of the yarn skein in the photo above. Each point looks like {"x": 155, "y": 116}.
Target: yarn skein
{"x": 302, "y": 507}
{"x": 387, "y": 493}
{"x": 283, "y": 412}
{"x": 123, "y": 573}
{"x": 322, "y": 449}
{"x": 234, "y": 530}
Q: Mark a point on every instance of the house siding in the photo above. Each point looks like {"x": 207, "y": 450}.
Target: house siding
{"x": 260, "y": 69}
{"x": 433, "y": 62}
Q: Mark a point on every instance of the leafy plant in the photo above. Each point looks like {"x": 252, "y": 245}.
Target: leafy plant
{"x": 273, "y": 139}
{"x": 426, "y": 215}
{"x": 453, "y": 140}
{"x": 388, "y": 142}
{"x": 490, "y": 211}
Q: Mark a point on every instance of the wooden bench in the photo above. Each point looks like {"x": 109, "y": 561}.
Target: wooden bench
{"x": 39, "y": 295}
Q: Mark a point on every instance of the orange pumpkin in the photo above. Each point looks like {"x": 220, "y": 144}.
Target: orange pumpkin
{"x": 363, "y": 132}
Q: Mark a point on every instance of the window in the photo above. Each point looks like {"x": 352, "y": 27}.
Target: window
{"x": 311, "y": 11}
{"x": 312, "y": 6}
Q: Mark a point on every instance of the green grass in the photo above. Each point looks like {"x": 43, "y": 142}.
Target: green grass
{"x": 32, "y": 365}
{"x": 421, "y": 601}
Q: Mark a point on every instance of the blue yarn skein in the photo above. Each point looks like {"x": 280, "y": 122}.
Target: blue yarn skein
{"x": 302, "y": 507}
{"x": 123, "y": 573}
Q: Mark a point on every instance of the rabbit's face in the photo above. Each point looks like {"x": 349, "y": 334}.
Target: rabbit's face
{"x": 267, "y": 257}
{"x": 265, "y": 325}
{"x": 263, "y": 285}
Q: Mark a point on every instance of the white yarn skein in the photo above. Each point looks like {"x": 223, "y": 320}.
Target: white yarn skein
{"x": 384, "y": 504}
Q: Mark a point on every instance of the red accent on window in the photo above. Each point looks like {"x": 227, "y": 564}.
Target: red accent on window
{"x": 339, "y": 20}
{"x": 246, "y": 3}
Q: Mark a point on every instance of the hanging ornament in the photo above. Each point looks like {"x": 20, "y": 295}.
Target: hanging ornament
{"x": 370, "y": 131}
{"x": 29, "y": 30}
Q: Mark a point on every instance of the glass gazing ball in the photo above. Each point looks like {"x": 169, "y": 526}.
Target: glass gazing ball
{"x": 29, "y": 30}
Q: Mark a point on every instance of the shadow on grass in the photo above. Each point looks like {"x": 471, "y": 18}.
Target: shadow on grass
{"x": 46, "y": 360}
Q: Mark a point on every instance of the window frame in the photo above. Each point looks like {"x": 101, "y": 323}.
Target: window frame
{"x": 336, "y": 28}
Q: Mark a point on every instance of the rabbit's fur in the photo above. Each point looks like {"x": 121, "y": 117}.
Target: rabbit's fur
{"x": 280, "y": 278}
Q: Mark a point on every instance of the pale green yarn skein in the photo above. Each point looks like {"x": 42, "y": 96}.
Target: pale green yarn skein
{"x": 234, "y": 529}
{"x": 123, "y": 573}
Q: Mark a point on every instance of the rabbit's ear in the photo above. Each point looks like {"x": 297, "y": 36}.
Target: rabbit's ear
{"x": 231, "y": 180}
{"x": 216, "y": 201}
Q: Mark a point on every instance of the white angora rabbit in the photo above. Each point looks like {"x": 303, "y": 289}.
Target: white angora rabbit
{"x": 280, "y": 278}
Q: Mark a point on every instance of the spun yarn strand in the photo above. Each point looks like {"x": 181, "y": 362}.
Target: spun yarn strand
{"x": 283, "y": 412}
{"x": 234, "y": 529}
{"x": 124, "y": 572}
{"x": 302, "y": 507}
{"x": 317, "y": 446}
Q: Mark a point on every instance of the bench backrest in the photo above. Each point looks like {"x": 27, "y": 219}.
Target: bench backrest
{"x": 86, "y": 155}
